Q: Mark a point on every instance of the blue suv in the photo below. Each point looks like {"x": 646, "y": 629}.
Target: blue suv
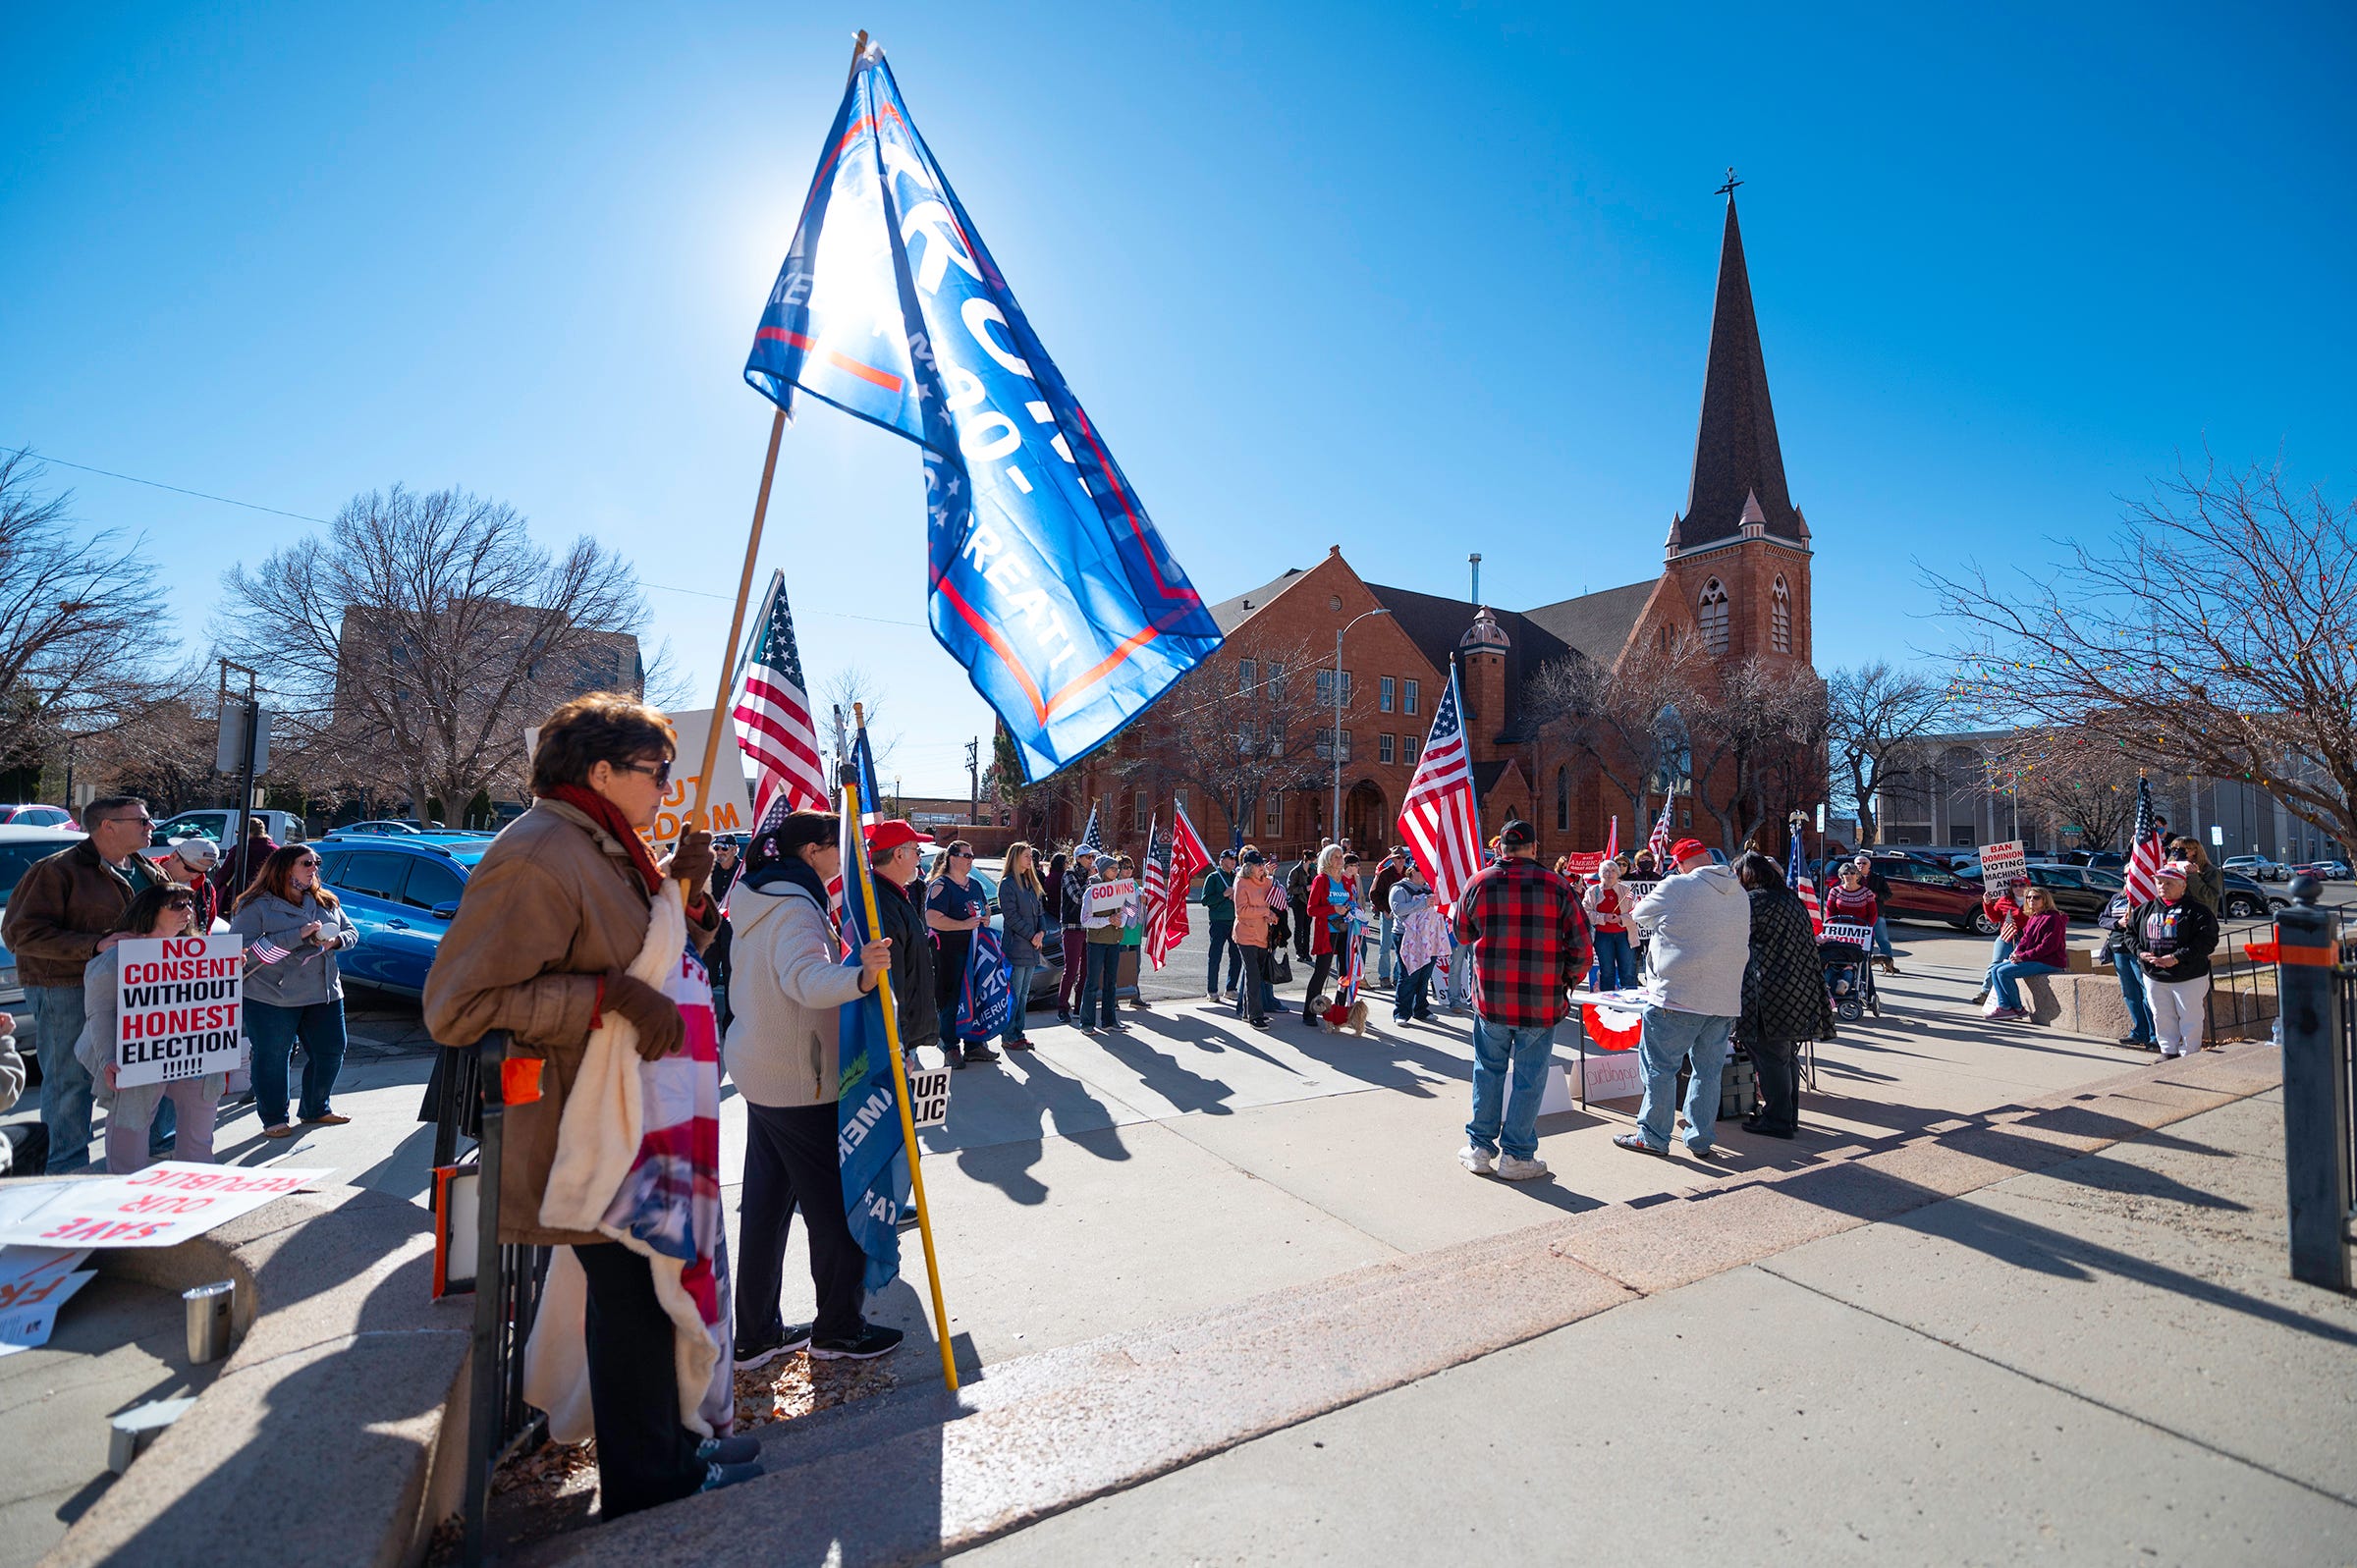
{"x": 401, "y": 893}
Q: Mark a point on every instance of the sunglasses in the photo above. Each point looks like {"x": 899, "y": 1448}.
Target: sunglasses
{"x": 660, "y": 772}
{"x": 308, "y": 860}
{"x": 190, "y": 904}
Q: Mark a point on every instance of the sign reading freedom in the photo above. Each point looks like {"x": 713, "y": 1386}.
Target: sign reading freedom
{"x": 179, "y": 1003}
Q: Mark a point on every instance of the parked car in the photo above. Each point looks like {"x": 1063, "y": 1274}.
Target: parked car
{"x": 2241, "y": 899}
{"x": 36, "y": 816}
{"x": 2325, "y": 870}
{"x": 2258, "y": 868}
{"x": 212, "y": 822}
{"x": 1050, "y": 973}
{"x": 2079, "y": 892}
{"x": 382, "y": 828}
{"x": 1923, "y": 890}
{"x": 20, "y": 844}
{"x": 401, "y": 893}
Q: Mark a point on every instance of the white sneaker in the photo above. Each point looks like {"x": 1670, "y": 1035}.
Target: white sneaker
{"x": 1511, "y": 1168}
{"x": 1480, "y": 1161}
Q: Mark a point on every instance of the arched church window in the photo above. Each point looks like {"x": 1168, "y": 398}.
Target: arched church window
{"x": 1711, "y": 617}
{"x": 1563, "y": 800}
{"x": 1780, "y": 617}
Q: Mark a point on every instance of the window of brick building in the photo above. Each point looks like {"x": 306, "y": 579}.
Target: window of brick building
{"x": 1563, "y": 800}
{"x": 1409, "y": 705}
{"x": 1276, "y": 738}
{"x": 1345, "y": 745}
{"x": 1780, "y": 617}
{"x": 1276, "y": 681}
{"x": 1272, "y": 816}
{"x": 1386, "y": 747}
{"x": 1710, "y": 618}
{"x": 1246, "y": 737}
{"x": 1383, "y": 694}
{"x": 1249, "y": 670}
{"x": 1412, "y": 748}
{"x": 1324, "y": 746}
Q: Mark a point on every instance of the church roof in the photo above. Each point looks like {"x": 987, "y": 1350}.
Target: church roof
{"x": 1598, "y": 625}
{"x": 1230, "y": 614}
{"x": 1736, "y": 457}
{"x": 1436, "y": 624}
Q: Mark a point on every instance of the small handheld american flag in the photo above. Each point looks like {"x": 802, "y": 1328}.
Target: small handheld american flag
{"x": 264, "y": 951}
{"x": 773, "y": 718}
{"x": 1796, "y": 872}
{"x": 1441, "y": 818}
{"x": 1659, "y": 845}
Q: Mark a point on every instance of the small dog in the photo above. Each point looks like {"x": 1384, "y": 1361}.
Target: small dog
{"x": 1333, "y": 1019}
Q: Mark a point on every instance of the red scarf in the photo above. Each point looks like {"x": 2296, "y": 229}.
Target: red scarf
{"x": 598, "y": 809}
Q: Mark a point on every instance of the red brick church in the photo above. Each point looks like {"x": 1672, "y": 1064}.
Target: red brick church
{"x": 1249, "y": 734}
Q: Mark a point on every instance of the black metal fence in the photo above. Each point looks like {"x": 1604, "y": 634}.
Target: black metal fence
{"x": 508, "y": 1280}
{"x": 2244, "y": 999}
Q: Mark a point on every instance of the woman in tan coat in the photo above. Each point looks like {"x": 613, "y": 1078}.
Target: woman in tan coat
{"x": 552, "y": 916}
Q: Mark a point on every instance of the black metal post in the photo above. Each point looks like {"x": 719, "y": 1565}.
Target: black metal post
{"x": 484, "y": 1394}
{"x": 2316, "y": 1090}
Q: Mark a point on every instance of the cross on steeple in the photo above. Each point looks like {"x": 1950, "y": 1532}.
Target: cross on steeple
{"x": 1728, "y": 190}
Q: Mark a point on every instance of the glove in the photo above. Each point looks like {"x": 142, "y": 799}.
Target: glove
{"x": 691, "y": 862}
{"x": 654, "y": 1015}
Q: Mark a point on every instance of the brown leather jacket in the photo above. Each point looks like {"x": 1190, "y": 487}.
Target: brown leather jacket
{"x": 62, "y": 906}
{"x": 554, "y": 904}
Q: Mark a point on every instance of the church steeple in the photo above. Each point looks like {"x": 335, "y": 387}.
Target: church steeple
{"x": 1738, "y": 467}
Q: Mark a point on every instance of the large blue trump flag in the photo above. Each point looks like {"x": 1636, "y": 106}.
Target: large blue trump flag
{"x": 1049, "y": 581}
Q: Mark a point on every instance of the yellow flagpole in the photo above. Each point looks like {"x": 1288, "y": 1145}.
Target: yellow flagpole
{"x": 900, "y": 1078}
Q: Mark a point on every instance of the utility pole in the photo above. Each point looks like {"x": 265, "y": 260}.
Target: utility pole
{"x": 248, "y": 742}
{"x": 973, "y": 781}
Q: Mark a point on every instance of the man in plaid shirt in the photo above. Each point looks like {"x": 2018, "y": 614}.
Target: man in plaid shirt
{"x": 1528, "y": 938}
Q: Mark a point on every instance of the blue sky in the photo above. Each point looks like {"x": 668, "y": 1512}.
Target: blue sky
{"x": 1414, "y": 280}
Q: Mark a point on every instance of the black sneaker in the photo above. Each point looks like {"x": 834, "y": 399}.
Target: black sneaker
{"x": 874, "y": 1341}
{"x": 727, "y": 1450}
{"x": 762, "y": 1349}
{"x": 978, "y": 1052}
{"x": 719, "y": 1476}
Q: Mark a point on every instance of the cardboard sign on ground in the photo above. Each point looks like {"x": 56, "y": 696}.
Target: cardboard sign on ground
{"x": 159, "y": 1206}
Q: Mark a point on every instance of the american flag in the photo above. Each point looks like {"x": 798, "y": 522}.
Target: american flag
{"x": 851, "y": 837}
{"x": 1796, "y": 872}
{"x": 1658, "y": 846}
{"x": 1611, "y": 840}
{"x": 2144, "y": 850}
{"x": 1441, "y": 819}
{"x": 1088, "y": 835}
{"x": 264, "y": 951}
{"x": 1165, "y": 914}
{"x": 773, "y": 717}
{"x": 1154, "y": 874}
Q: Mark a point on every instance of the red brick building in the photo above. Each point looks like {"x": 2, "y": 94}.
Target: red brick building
{"x": 1736, "y": 579}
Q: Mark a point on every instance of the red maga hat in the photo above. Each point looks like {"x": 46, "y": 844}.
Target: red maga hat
{"x": 891, "y": 833}
{"x": 1687, "y": 848}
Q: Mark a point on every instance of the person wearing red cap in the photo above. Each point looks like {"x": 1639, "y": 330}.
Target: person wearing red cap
{"x": 1698, "y": 926}
{"x": 892, "y": 850}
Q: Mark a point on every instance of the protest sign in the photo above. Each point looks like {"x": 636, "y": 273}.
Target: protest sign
{"x": 1584, "y": 863}
{"x": 1844, "y": 930}
{"x": 929, "y": 1096}
{"x": 34, "y": 1281}
{"x": 2000, "y": 863}
{"x": 159, "y": 1206}
{"x": 1106, "y": 900}
{"x": 178, "y": 1004}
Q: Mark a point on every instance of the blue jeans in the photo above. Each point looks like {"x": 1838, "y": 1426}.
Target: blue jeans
{"x": 2131, "y": 990}
{"x": 1671, "y": 1038}
{"x": 64, "y": 1087}
{"x": 1495, "y": 1046}
{"x": 1018, "y": 1001}
{"x": 1223, "y": 934}
{"x": 2004, "y": 978}
{"x": 1387, "y": 936}
{"x": 1409, "y": 998}
{"x": 1882, "y": 936}
{"x": 1615, "y": 961}
{"x": 1102, "y": 974}
{"x": 274, "y": 1030}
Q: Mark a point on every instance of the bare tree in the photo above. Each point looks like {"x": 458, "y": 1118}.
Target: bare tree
{"x": 415, "y": 643}
{"x": 1758, "y": 728}
{"x": 2217, "y": 638}
{"x": 1876, "y": 717}
{"x": 854, "y": 684}
{"x": 1235, "y": 740}
{"x": 2070, "y": 780}
{"x": 78, "y": 617}
{"x": 1626, "y": 720}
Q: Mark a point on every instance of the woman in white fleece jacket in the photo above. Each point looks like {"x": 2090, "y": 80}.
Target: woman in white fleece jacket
{"x": 786, "y": 985}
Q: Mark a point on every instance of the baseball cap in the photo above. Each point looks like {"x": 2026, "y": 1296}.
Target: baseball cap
{"x": 1686, "y": 848}
{"x": 2177, "y": 869}
{"x": 197, "y": 851}
{"x": 891, "y": 834}
{"x": 1518, "y": 831}
{"x": 1227, "y": 854}
{"x": 1253, "y": 857}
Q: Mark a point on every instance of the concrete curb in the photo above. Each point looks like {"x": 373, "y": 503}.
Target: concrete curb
{"x": 912, "y": 1476}
{"x": 323, "y": 1440}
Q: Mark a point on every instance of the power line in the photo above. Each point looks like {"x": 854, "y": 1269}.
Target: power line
{"x": 304, "y": 517}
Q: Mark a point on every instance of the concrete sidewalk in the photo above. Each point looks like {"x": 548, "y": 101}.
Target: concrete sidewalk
{"x": 2103, "y": 1361}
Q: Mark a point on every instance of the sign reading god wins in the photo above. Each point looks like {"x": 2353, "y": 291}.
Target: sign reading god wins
{"x": 178, "y": 1004}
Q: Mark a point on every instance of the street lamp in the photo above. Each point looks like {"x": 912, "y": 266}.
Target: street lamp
{"x": 1334, "y": 739}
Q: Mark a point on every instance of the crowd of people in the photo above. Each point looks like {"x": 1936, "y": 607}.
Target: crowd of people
{"x": 65, "y": 921}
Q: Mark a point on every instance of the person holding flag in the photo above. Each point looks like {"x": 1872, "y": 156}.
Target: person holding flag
{"x": 2140, "y": 881}
{"x": 784, "y": 1052}
{"x": 955, "y": 907}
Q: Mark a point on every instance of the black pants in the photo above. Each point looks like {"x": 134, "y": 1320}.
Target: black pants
{"x": 1252, "y": 995}
{"x": 789, "y": 1162}
{"x": 1301, "y": 930}
{"x": 1318, "y": 968}
{"x": 28, "y": 1147}
{"x": 644, "y": 1456}
{"x": 1775, "y": 1063}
